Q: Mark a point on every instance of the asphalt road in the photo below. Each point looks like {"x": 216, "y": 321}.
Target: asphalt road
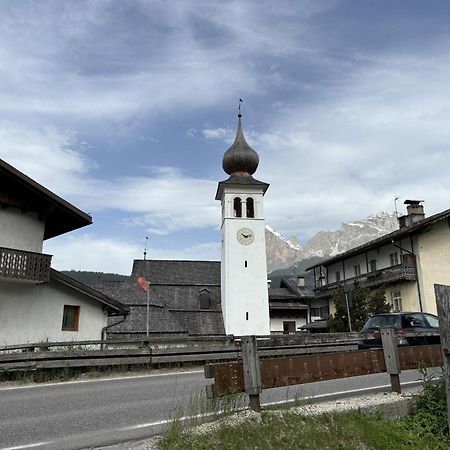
{"x": 96, "y": 413}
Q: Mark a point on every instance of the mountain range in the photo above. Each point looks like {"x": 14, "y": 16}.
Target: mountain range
{"x": 283, "y": 253}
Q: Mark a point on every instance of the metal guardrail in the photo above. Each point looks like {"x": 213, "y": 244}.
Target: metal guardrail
{"x": 168, "y": 350}
{"x": 252, "y": 374}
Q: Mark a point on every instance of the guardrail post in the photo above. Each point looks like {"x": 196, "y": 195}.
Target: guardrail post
{"x": 442, "y": 294}
{"x": 252, "y": 371}
{"x": 209, "y": 374}
{"x": 391, "y": 358}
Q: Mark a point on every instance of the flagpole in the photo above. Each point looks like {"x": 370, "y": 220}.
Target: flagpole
{"x": 148, "y": 302}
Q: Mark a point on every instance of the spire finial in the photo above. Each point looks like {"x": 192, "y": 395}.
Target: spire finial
{"x": 240, "y": 158}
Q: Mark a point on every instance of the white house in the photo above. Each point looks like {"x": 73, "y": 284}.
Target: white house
{"x": 38, "y": 303}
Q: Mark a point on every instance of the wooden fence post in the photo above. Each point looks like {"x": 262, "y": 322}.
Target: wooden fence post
{"x": 252, "y": 371}
{"x": 442, "y": 294}
{"x": 390, "y": 351}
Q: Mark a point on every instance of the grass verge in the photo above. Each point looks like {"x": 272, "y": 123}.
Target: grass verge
{"x": 352, "y": 431}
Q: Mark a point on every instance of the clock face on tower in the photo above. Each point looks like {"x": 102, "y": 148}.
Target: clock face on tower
{"x": 245, "y": 236}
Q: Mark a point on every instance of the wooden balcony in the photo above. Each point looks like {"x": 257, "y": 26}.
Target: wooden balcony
{"x": 22, "y": 265}
{"x": 375, "y": 279}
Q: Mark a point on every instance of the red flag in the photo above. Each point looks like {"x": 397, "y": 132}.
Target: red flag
{"x": 143, "y": 283}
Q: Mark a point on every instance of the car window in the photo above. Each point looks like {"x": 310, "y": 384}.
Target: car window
{"x": 414, "y": 321}
{"x": 432, "y": 320}
{"x": 382, "y": 322}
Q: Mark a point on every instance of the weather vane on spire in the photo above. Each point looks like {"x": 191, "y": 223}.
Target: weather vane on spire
{"x": 239, "y": 108}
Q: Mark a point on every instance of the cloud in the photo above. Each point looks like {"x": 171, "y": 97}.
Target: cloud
{"x": 218, "y": 133}
{"x": 89, "y": 252}
{"x": 53, "y": 156}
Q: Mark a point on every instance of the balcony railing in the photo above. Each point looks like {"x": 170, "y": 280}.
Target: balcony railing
{"x": 22, "y": 265}
{"x": 377, "y": 278}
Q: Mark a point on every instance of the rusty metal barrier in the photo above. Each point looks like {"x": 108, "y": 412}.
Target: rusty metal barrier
{"x": 228, "y": 377}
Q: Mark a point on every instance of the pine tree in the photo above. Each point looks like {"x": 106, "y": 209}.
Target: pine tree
{"x": 363, "y": 303}
{"x": 377, "y": 303}
{"x": 338, "y": 322}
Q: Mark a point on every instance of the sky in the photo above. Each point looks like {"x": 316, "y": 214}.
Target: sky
{"x": 125, "y": 108}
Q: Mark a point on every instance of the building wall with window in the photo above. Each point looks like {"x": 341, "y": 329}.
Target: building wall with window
{"x": 285, "y": 323}
{"x": 34, "y": 313}
{"x": 408, "y": 294}
{"x": 433, "y": 262}
{"x": 380, "y": 258}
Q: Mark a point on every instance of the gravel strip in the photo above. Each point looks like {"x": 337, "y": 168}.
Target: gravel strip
{"x": 394, "y": 404}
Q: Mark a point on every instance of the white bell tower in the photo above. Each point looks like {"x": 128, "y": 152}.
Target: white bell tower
{"x": 245, "y": 303}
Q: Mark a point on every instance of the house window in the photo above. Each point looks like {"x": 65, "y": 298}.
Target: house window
{"x": 338, "y": 276}
{"x": 397, "y": 301}
{"x": 205, "y": 299}
{"x": 288, "y": 326}
{"x": 71, "y": 318}
{"x": 315, "y": 312}
{"x": 394, "y": 258}
{"x": 250, "y": 207}
{"x": 237, "y": 207}
{"x": 357, "y": 270}
{"x": 372, "y": 265}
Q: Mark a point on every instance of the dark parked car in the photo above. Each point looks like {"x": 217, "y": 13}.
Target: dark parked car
{"x": 402, "y": 323}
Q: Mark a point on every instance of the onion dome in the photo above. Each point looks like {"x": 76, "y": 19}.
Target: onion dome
{"x": 240, "y": 158}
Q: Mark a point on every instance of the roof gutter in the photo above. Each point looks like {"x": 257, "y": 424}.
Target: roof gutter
{"x": 105, "y": 329}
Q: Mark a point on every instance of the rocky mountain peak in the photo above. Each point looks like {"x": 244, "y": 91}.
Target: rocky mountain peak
{"x": 283, "y": 253}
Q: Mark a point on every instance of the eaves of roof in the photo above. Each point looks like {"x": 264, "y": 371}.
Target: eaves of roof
{"x": 86, "y": 290}
{"x": 287, "y": 306}
{"x": 61, "y": 216}
{"x": 240, "y": 180}
{"x": 395, "y": 236}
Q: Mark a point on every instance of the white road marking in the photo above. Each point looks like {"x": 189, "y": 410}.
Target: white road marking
{"x": 18, "y": 447}
{"x": 65, "y": 383}
{"x": 351, "y": 391}
{"x": 312, "y": 397}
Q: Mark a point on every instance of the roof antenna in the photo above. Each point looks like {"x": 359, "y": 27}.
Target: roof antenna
{"x": 239, "y": 108}
{"x": 395, "y": 205}
{"x": 145, "y": 247}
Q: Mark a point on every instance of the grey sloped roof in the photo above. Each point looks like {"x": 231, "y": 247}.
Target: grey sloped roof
{"x": 174, "y": 294}
{"x": 110, "y": 302}
{"x": 191, "y": 273}
{"x": 201, "y": 321}
{"x": 161, "y": 320}
{"x": 281, "y": 294}
{"x": 300, "y": 291}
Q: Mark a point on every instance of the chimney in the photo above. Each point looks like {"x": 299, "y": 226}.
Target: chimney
{"x": 301, "y": 281}
{"x": 414, "y": 213}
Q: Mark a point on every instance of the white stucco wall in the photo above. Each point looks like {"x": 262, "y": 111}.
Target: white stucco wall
{"x": 34, "y": 313}
{"x": 276, "y": 322}
{"x": 433, "y": 262}
{"x": 21, "y": 230}
{"x": 245, "y": 303}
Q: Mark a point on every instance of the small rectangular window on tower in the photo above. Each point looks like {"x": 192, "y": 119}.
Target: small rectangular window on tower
{"x": 245, "y": 263}
{"x": 246, "y": 316}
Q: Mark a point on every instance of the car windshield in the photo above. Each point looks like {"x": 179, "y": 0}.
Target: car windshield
{"x": 382, "y": 322}
{"x": 432, "y": 320}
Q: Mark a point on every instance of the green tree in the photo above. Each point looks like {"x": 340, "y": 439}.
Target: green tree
{"x": 363, "y": 303}
{"x": 338, "y": 322}
{"x": 377, "y": 303}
